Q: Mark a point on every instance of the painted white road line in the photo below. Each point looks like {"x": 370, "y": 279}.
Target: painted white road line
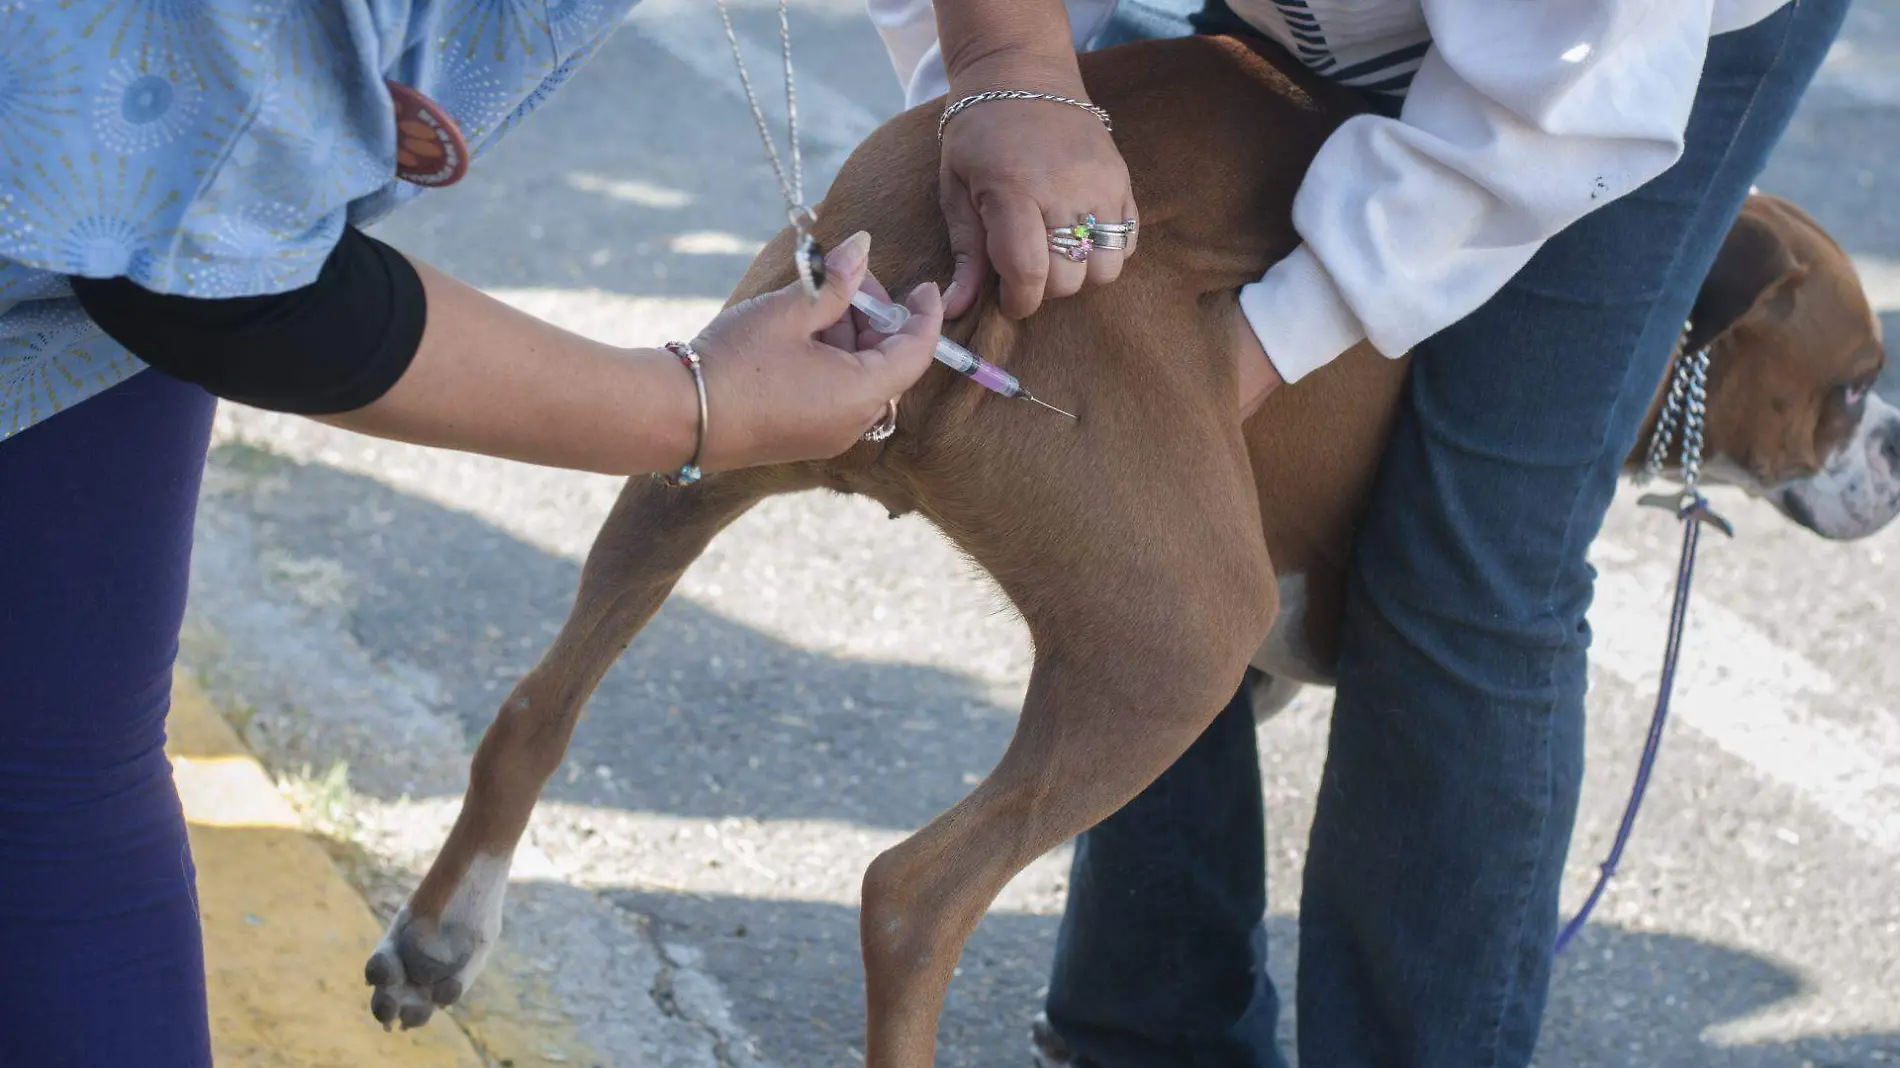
{"x": 614, "y": 318}
{"x": 1761, "y": 703}
{"x": 1859, "y": 67}
{"x": 1880, "y": 277}
{"x": 713, "y": 243}
{"x": 691, "y": 32}
{"x": 629, "y": 191}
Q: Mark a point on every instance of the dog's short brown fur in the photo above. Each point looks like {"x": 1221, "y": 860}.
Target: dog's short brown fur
{"x": 1131, "y": 542}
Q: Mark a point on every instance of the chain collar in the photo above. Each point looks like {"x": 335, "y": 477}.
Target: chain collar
{"x": 1686, "y": 404}
{"x": 1687, "y": 407}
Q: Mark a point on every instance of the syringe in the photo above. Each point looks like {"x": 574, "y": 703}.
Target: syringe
{"x": 889, "y": 318}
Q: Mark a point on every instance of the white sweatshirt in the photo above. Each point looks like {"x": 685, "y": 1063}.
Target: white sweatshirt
{"x": 1518, "y": 120}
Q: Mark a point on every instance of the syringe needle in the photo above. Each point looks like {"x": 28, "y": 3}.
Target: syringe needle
{"x": 1026, "y": 395}
{"x": 889, "y": 318}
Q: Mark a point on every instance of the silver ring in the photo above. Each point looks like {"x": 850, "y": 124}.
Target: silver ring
{"x": 1075, "y": 241}
{"x": 1078, "y": 240}
{"x": 1076, "y": 249}
{"x": 885, "y": 426}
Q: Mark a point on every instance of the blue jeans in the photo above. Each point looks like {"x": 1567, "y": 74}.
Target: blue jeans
{"x": 1456, "y": 752}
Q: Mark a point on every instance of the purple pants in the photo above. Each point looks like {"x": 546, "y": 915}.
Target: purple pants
{"x": 101, "y": 958}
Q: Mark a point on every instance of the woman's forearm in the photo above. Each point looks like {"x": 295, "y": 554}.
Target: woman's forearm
{"x": 491, "y": 379}
{"x": 382, "y": 345}
{"x": 987, "y": 40}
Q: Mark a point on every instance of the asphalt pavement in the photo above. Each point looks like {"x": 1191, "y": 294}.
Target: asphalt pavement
{"x": 809, "y": 695}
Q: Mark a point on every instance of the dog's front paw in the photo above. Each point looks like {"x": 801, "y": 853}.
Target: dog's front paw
{"x": 423, "y": 964}
{"x": 419, "y": 966}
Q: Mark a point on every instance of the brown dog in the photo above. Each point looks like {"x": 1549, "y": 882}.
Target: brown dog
{"x": 1157, "y": 498}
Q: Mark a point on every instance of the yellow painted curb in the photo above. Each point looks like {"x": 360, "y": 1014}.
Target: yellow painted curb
{"x": 286, "y": 935}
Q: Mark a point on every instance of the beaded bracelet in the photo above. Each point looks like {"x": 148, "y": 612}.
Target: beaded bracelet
{"x": 690, "y": 473}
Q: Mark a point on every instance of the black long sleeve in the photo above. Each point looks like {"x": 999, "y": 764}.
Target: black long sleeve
{"x": 332, "y": 346}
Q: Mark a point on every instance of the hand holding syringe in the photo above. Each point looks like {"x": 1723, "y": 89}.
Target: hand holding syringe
{"x": 888, "y": 318}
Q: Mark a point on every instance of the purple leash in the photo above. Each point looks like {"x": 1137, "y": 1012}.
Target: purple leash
{"x": 1687, "y": 402}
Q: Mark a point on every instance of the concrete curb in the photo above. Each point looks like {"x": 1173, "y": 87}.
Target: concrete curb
{"x": 286, "y": 934}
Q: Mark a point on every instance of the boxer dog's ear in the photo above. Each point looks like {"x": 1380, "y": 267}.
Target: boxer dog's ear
{"x": 1755, "y": 275}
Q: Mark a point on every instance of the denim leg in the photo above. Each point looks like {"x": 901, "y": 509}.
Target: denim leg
{"x": 1146, "y": 20}
{"x": 1456, "y": 751}
{"x": 1161, "y": 957}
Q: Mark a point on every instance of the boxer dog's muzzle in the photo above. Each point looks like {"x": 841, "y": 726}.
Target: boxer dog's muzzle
{"x": 1795, "y": 350}
{"x": 1857, "y": 491}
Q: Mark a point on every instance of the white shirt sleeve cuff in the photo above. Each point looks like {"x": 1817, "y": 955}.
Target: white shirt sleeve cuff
{"x": 1300, "y": 316}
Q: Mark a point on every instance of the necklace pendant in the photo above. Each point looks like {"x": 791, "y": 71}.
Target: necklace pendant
{"x": 809, "y": 257}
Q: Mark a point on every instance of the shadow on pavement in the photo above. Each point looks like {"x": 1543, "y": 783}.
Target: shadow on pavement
{"x": 793, "y": 974}
{"x": 701, "y": 716}
{"x": 694, "y": 701}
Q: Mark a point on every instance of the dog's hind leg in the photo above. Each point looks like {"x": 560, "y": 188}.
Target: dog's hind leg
{"x": 438, "y": 941}
{"x": 1101, "y": 722}
{"x": 1141, "y": 636}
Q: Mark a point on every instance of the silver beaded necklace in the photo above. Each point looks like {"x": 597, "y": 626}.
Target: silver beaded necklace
{"x": 807, "y": 255}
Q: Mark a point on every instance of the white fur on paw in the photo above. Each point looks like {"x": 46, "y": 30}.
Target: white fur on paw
{"x": 421, "y": 964}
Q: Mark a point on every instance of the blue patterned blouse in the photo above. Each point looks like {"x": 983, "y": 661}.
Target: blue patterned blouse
{"x": 217, "y": 148}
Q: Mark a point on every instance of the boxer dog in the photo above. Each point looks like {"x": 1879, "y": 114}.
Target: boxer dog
{"x": 1157, "y": 547}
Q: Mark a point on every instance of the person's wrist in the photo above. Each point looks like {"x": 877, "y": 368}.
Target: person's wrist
{"x": 1258, "y": 376}
{"x": 1018, "y": 68}
{"x": 672, "y": 404}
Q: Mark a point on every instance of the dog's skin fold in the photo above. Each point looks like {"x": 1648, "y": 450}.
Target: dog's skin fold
{"x": 1145, "y": 546}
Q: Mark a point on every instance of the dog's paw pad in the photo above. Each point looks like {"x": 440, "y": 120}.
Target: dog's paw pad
{"x": 413, "y": 1015}
{"x": 420, "y": 967}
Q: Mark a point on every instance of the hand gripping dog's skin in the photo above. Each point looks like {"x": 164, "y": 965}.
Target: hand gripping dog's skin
{"x": 1147, "y": 547}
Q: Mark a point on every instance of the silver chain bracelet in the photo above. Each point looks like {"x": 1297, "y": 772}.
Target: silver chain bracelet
{"x": 1020, "y": 94}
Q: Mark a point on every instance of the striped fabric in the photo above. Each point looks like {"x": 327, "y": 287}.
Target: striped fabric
{"x": 1372, "y": 45}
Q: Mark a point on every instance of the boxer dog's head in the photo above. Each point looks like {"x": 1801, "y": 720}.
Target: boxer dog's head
{"x": 1794, "y": 352}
